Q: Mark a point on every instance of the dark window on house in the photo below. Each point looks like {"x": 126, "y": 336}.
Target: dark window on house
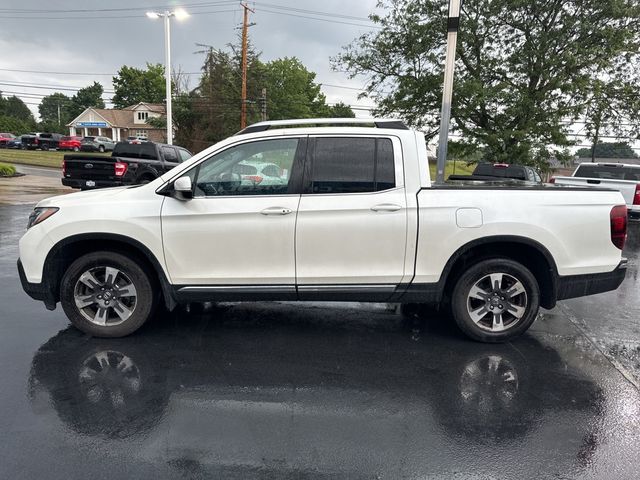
{"x": 352, "y": 165}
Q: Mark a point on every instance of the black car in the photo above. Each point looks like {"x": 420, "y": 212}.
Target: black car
{"x": 43, "y": 141}
{"x": 130, "y": 163}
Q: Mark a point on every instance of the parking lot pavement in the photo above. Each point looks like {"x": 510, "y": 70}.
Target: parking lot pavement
{"x": 39, "y": 171}
{"x": 35, "y": 185}
{"x": 277, "y": 390}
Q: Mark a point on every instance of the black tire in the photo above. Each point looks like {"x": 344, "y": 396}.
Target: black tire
{"x": 44, "y": 147}
{"x": 76, "y": 149}
{"x": 101, "y": 148}
{"x": 146, "y": 179}
{"x": 509, "y": 326}
{"x": 145, "y": 297}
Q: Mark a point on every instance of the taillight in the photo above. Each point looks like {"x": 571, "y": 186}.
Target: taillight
{"x": 121, "y": 169}
{"x": 254, "y": 178}
{"x": 619, "y": 225}
{"x": 552, "y": 180}
{"x": 636, "y": 196}
{"x": 35, "y": 141}
{"x": 64, "y": 168}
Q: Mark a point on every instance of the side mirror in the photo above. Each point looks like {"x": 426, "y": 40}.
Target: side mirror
{"x": 182, "y": 188}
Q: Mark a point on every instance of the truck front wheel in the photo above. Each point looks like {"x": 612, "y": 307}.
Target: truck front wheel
{"x": 106, "y": 294}
{"x": 495, "y": 300}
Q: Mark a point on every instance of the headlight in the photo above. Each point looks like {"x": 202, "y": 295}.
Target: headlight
{"x": 40, "y": 214}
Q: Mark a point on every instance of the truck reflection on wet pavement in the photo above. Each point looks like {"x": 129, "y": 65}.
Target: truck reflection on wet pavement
{"x": 268, "y": 390}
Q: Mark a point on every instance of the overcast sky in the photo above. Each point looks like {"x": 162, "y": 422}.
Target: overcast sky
{"x": 99, "y": 37}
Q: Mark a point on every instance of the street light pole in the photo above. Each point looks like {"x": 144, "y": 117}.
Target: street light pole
{"x": 447, "y": 91}
{"x": 166, "y": 15}
{"x": 167, "y": 74}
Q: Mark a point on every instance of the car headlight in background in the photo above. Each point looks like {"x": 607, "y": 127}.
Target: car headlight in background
{"x": 40, "y": 214}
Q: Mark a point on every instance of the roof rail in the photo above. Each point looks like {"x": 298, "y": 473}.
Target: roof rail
{"x": 325, "y": 122}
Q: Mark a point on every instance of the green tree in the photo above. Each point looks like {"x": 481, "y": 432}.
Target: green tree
{"x": 133, "y": 85}
{"x": 51, "y": 105}
{"x": 86, "y": 97}
{"x": 522, "y": 72}
{"x": 609, "y": 150}
{"x": 13, "y": 125}
{"x": 341, "y": 110}
{"x": 211, "y": 111}
{"x": 14, "y": 107}
{"x": 292, "y": 91}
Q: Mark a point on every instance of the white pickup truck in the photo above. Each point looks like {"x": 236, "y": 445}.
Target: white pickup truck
{"x": 617, "y": 176}
{"x": 350, "y": 214}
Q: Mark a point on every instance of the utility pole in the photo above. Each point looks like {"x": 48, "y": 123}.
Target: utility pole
{"x": 263, "y": 100}
{"x": 58, "y": 113}
{"x": 245, "y": 26}
{"x": 447, "y": 92}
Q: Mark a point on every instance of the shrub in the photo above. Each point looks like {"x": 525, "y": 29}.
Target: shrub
{"x": 7, "y": 170}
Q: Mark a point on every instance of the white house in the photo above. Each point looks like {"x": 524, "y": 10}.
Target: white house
{"x": 119, "y": 124}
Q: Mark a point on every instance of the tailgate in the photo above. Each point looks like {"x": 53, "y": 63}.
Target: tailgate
{"x": 89, "y": 167}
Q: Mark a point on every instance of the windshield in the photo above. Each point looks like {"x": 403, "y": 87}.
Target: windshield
{"x": 613, "y": 172}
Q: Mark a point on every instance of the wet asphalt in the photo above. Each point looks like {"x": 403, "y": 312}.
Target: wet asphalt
{"x": 277, "y": 390}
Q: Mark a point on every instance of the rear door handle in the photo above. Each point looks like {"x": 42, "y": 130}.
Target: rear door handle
{"x": 276, "y": 211}
{"x": 386, "y": 207}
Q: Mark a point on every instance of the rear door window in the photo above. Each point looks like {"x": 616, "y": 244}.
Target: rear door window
{"x": 351, "y": 165}
{"x": 169, "y": 154}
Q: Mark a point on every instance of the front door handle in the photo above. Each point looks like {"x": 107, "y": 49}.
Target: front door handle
{"x": 386, "y": 207}
{"x": 276, "y": 211}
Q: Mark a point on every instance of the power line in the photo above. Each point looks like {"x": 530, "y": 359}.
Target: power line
{"x": 319, "y": 19}
{"x": 313, "y": 12}
{"x": 127, "y": 9}
{"x": 342, "y": 86}
{"x": 50, "y": 87}
{"x": 54, "y": 73}
{"x": 104, "y": 17}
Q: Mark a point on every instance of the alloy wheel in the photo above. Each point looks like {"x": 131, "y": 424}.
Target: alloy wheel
{"x": 497, "y": 302}
{"x": 105, "y": 296}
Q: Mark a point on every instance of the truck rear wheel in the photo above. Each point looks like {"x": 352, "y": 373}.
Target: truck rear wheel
{"x": 106, "y": 294}
{"x": 495, "y": 300}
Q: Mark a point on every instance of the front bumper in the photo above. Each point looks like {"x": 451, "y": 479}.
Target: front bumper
{"x": 575, "y": 286}
{"x": 38, "y": 291}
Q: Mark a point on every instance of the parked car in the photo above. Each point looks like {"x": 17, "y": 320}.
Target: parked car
{"x": 618, "y": 176}
{"x": 97, "y": 144}
{"x": 357, "y": 220}
{"x": 257, "y": 172}
{"x": 130, "y": 163}
{"x": 136, "y": 139}
{"x": 493, "y": 171}
{"x": 43, "y": 141}
{"x": 5, "y": 138}
{"x": 70, "y": 143}
{"x": 15, "y": 142}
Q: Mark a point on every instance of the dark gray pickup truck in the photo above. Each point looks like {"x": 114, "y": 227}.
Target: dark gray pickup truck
{"x": 499, "y": 171}
{"x": 130, "y": 163}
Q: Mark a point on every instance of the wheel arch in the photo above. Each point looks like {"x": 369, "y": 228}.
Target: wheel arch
{"x": 526, "y": 251}
{"x": 145, "y": 172}
{"x": 69, "y": 249}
